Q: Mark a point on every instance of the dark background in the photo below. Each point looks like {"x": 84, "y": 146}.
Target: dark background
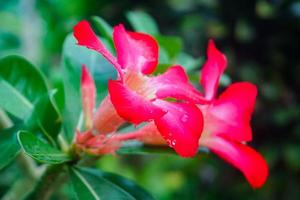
{"x": 261, "y": 41}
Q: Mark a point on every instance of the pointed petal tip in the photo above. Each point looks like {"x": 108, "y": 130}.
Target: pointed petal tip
{"x": 86, "y": 77}
{"x": 85, "y": 35}
{"x": 250, "y": 162}
{"x": 212, "y": 70}
{"x": 88, "y": 96}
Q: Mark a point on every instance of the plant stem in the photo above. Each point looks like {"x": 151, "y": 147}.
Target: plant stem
{"x": 29, "y": 168}
{"x": 5, "y": 122}
{"x": 48, "y": 183}
{"x": 18, "y": 189}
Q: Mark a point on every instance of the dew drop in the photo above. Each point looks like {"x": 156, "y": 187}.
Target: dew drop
{"x": 173, "y": 143}
{"x": 184, "y": 118}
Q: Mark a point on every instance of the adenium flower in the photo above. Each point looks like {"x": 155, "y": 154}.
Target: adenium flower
{"x": 226, "y": 120}
{"x": 137, "y": 97}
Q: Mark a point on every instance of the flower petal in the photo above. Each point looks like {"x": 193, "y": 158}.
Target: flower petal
{"x": 106, "y": 119}
{"x": 181, "y": 126}
{"x": 88, "y": 96}
{"x": 212, "y": 70}
{"x": 86, "y": 37}
{"x": 174, "y": 83}
{"x": 135, "y": 51}
{"x": 230, "y": 115}
{"x": 246, "y": 159}
{"x": 131, "y": 106}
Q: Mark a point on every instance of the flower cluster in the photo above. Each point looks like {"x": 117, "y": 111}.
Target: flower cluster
{"x": 176, "y": 113}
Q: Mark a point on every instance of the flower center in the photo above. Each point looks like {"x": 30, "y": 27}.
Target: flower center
{"x": 139, "y": 83}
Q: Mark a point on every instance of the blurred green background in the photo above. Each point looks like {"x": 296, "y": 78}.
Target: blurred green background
{"x": 261, "y": 41}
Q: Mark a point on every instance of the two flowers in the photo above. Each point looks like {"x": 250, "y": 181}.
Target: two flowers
{"x": 177, "y": 114}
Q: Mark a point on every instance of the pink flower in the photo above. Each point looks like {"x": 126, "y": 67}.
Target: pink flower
{"x": 138, "y": 97}
{"x": 227, "y": 120}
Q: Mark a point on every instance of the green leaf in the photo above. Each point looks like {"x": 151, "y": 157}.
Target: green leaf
{"x": 172, "y": 44}
{"x": 9, "y": 146}
{"x": 40, "y": 150}
{"x": 23, "y": 76}
{"x": 74, "y": 57}
{"x": 144, "y": 150}
{"x": 45, "y": 117}
{"x": 93, "y": 184}
{"x": 104, "y": 29}
{"x": 21, "y": 84}
{"x": 142, "y": 22}
{"x": 13, "y": 101}
{"x": 137, "y": 148}
{"x": 188, "y": 62}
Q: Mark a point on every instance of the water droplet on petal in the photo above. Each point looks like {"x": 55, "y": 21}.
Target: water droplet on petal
{"x": 184, "y": 118}
{"x": 173, "y": 143}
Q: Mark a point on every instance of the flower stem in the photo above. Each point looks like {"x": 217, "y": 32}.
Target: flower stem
{"x": 50, "y": 180}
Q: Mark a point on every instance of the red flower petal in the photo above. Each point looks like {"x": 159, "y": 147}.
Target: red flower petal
{"x": 131, "y": 106}
{"x": 181, "y": 126}
{"x": 230, "y": 115}
{"x": 174, "y": 83}
{"x": 246, "y": 159}
{"x": 135, "y": 51}
{"x": 86, "y": 37}
{"x": 212, "y": 70}
{"x": 88, "y": 95}
{"x": 106, "y": 119}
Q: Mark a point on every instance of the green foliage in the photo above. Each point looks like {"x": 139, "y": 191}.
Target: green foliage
{"x": 104, "y": 29}
{"x": 171, "y": 44}
{"x": 137, "y": 148}
{"x": 9, "y": 146}
{"x": 265, "y": 36}
{"x": 142, "y": 22}
{"x": 13, "y": 101}
{"x": 45, "y": 117}
{"x": 23, "y": 81}
{"x": 91, "y": 184}
{"x": 40, "y": 150}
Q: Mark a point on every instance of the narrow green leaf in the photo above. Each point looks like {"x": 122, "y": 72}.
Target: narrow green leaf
{"x": 13, "y": 101}
{"x": 188, "y": 62}
{"x": 9, "y": 146}
{"x": 40, "y": 150}
{"x": 104, "y": 28}
{"x": 142, "y": 22}
{"x": 45, "y": 117}
{"x": 93, "y": 184}
{"x": 137, "y": 148}
{"x": 145, "y": 150}
{"x": 172, "y": 44}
